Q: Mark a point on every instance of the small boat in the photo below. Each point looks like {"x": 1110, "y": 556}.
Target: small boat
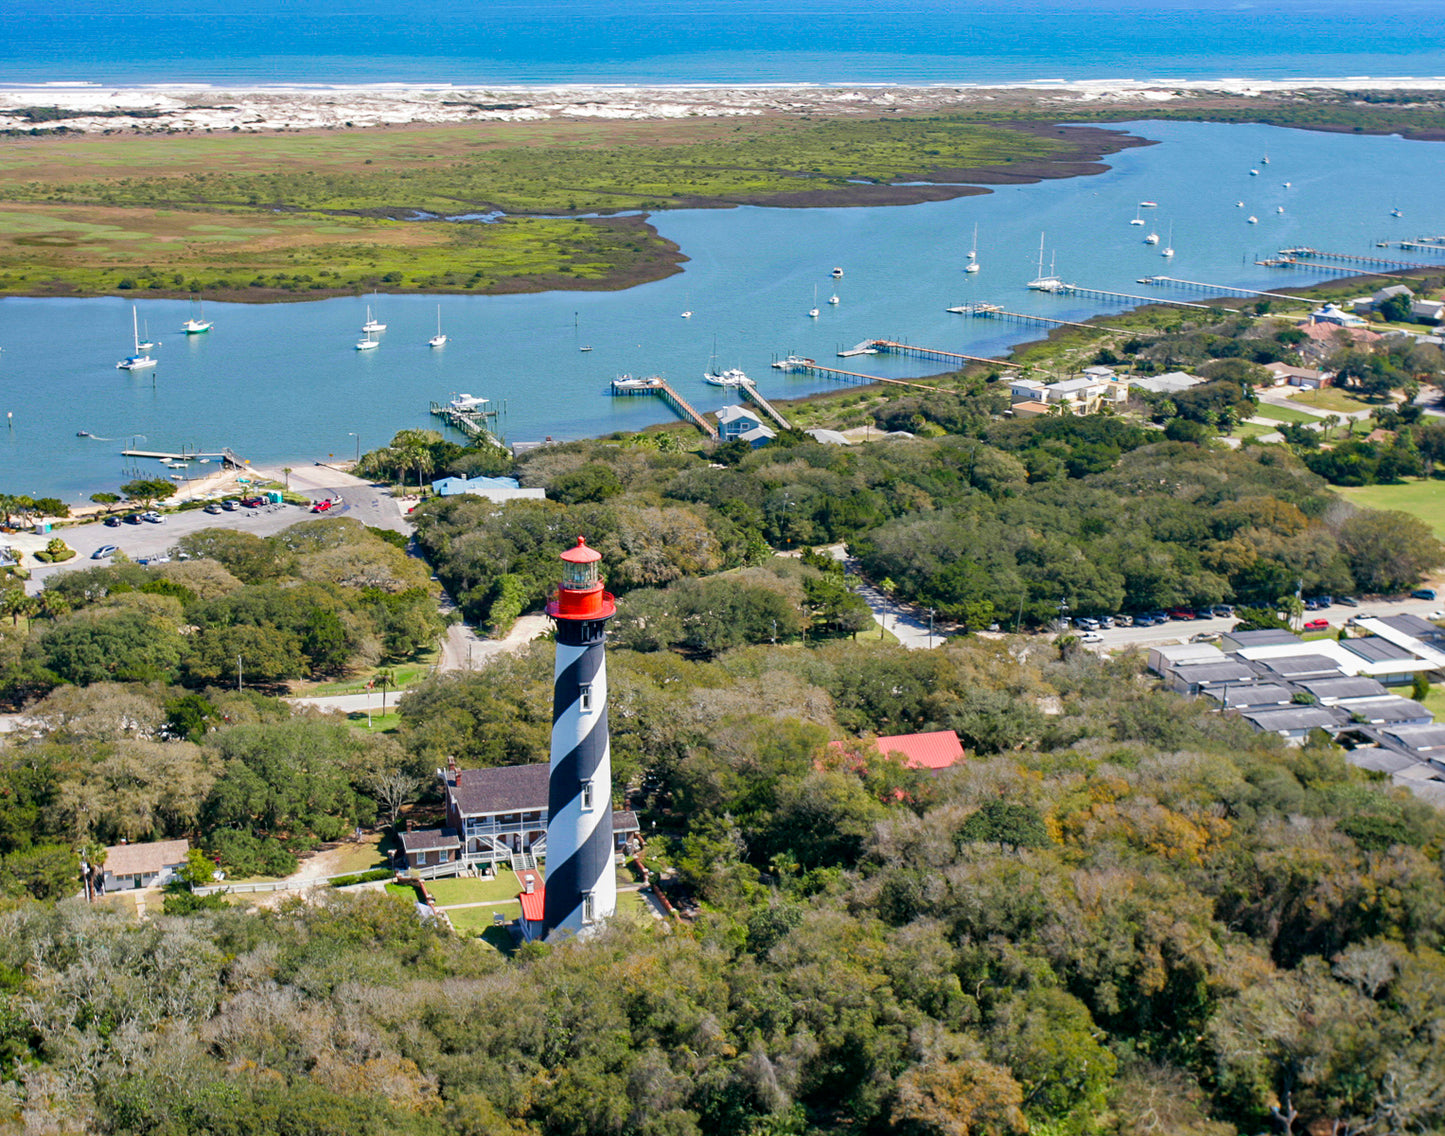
{"x": 368, "y": 343}
{"x": 584, "y": 348}
{"x": 833, "y": 299}
{"x": 1169, "y": 248}
{"x": 1253, "y": 220}
{"x": 1239, "y": 204}
{"x": 438, "y": 340}
{"x": 1254, "y": 173}
{"x": 813, "y": 311}
{"x": 1264, "y": 161}
{"x": 837, "y": 273}
{"x": 84, "y": 434}
{"x": 140, "y": 360}
{"x": 972, "y": 265}
{"x": 1148, "y": 205}
{"x": 468, "y": 403}
{"x": 1042, "y": 283}
{"x": 1396, "y": 213}
{"x": 146, "y": 344}
{"x": 1287, "y": 185}
{"x": 197, "y": 323}
{"x": 1279, "y": 208}
{"x": 1152, "y": 239}
{"x": 371, "y": 324}
{"x": 792, "y": 363}
{"x": 687, "y": 315}
{"x": 1138, "y": 220}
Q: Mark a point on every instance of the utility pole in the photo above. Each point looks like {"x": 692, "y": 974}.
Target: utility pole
{"x": 238, "y": 673}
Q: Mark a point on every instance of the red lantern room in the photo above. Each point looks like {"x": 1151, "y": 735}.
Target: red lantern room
{"x": 581, "y": 595}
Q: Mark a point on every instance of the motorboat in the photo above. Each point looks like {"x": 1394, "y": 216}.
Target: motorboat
{"x": 1254, "y": 173}
{"x": 468, "y": 403}
{"x": 1148, "y": 205}
{"x": 1396, "y": 213}
{"x": 628, "y": 383}
{"x": 1279, "y": 208}
{"x": 140, "y": 360}
{"x": 438, "y": 340}
{"x": 792, "y": 363}
{"x": 1253, "y": 220}
{"x": 1152, "y": 239}
{"x": 84, "y": 434}
{"x": 837, "y": 273}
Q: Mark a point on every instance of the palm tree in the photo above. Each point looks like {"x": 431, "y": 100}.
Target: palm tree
{"x": 286, "y": 475}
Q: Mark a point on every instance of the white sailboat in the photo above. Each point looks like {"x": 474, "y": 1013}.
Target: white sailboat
{"x": 372, "y": 324}
{"x": 813, "y": 311}
{"x": 1138, "y": 220}
{"x": 1152, "y": 239}
{"x": 368, "y": 343}
{"x": 972, "y": 265}
{"x": 139, "y": 361}
{"x": 1169, "y": 248}
{"x": 146, "y": 344}
{"x": 438, "y": 340}
{"x": 197, "y": 323}
{"x": 1042, "y": 283}
{"x": 833, "y": 299}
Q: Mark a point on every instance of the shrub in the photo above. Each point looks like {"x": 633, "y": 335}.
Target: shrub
{"x": 363, "y": 877}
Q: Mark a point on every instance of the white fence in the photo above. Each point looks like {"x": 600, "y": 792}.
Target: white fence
{"x": 276, "y": 885}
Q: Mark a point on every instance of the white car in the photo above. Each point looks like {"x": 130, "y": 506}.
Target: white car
{"x": 1091, "y": 637}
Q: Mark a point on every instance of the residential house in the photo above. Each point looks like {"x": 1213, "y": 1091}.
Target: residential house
{"x": 497, "y": 489}
{"x": 935, "y": 750}
{"x": 738, "y": 423}
{"x": 154, "y": 864}
{"x": 1171, "y": 382}
{"x": 1362, "y": 305}
{"x": 1306, "y": 378}
{"x": 1332, "y": 315}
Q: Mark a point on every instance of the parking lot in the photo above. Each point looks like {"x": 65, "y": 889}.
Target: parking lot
{"x": 354, "y": 498}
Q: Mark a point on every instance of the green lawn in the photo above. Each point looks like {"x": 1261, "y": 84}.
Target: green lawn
{"x": 462, "y": 890}
{"x": 1251, "y": 430}
{"x": 367, "y": 853}
{"x": 1333, "y": 400}
{"x": 1420, "y": 497}
{"x": 632, "y": 903}
{"x": 402, "y": 675}
{"x": 403, "y": 890}
{"x": 1273, "y": 413}
{"x": 481, "y": 918}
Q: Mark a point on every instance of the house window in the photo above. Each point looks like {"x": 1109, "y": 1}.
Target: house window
{"x": 589, "y": 909}
{"x": 584, "y": 696}
{"x": 586, "y": 796}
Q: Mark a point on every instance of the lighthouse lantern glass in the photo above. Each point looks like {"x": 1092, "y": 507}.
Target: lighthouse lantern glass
{"x": 579, "y": 577}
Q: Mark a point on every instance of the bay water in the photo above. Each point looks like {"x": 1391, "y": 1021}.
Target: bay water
{"x": 283, "y": 382}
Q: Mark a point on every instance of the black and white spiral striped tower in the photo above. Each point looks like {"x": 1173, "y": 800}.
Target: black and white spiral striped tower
{"x": 581, "y": 884}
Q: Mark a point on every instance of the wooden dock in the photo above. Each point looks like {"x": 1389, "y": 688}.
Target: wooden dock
{"x": 1221, "y": 289}
{"x": 797, "y": 365}
{"x": 994, "y": 311}
{"x": 890, "y": 347}
{"x": 1129, "y": 297}
{"x": 750, "y": 392}
{"x": 1305, "y": 252}
{"x": 472, "y": 423}
{"x": 657, "y": 385}
{"x": 227, "y": 456}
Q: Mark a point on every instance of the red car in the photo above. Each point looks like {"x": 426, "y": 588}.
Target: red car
{"x": 321, "y": 506}
{"x": 1317, "y": 625}
{"x": 1182, "y": 613}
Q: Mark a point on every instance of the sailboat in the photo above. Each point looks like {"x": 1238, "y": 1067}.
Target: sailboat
{"x": 146, "y": 344}
{"x": 1169, "y": 248}
{"x": 972, "y": 265}
{"x": 368, "y": 343}
{"x": 197, "y": 323}
{"x": 813, "y": 311}
{"x": 1152, "y": 239}
{"x": 687, "y": 312}
{"x": 1264, "y": 161}
{"x": 371, "y": 324}
{"x": 139, "y": 361}
{"x": 1138, "y": 220}
{"x": 438, "y": 340}
{"x": 833, "y": 299}
{"x": 1042, "y": 283}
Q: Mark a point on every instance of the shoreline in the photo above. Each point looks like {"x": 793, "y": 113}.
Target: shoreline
{"x": 96, "y": 108}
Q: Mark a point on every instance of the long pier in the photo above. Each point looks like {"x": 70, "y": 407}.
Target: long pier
{"x": 798, "y": 365}
{"x": 1352, "y": 258}
{"x": 1419, "y": 244}
{"x": 994, "y": 310}
{"x": 890, "y": 347}
{"x": 1220, "y": 288}
{"x": 657, "y": 385}
{"x": 228, "y": 456}
{"x": 749, "y": 391}
{"x": 1129, "y": 297}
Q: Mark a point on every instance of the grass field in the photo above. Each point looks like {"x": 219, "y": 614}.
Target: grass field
{"x": 482, "y": 918}
{"x": 1333, "y": 400}
{"x": 268, "y": 217}
{"x": 463, "y": 890}
{"x": 402, "y": 675}
{"x": 1421, "y": 498}
{"x": 1251, "y": 430}
{"x": 1273, "y": 413}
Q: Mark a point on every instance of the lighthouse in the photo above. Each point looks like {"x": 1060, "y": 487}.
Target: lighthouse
{"x": 581, "y": 887}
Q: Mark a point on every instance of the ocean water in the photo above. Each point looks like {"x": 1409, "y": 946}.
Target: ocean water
{"x": 711, "y": 41}
{"x": 283, "y": 382}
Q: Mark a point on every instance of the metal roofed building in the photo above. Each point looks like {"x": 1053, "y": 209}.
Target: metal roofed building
{"x": 1270, "y": 637}
{"x": 1165, "y": 658}
{"x": 1423, "y": 743}
{"x": 1415, "y": 627}
{"x": 1293, "y": 723}
{"x": 1250, "y": 695}
{"x": 936, "y": 750}
{"x": 1331, "y": 690}
{"x": 1297, "y": 668}
{"x": 1378, "y": 711}
{"x": 1192, "y": 678}
{"x": 1169, "y": 383}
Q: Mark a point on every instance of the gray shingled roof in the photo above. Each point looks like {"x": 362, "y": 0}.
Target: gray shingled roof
{"x": 429, "y": 839}
{"x": 625, "y": 820}
{"x": 1288, "y": 665}
{"x": 1250, "y": 694}
{"x": 1358, "y": 686}
{"x": 505, "y": 789}
{"x": 1292, "y": 718}
{"x": 1375, "y": 649}
{"x": 1390, "y": 708}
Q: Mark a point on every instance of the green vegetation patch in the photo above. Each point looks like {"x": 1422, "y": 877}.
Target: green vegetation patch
{"x": 1420, "y": 497}
{"x": 460, "y": 889}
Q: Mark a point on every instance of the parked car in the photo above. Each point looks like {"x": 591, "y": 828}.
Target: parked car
{"x": 1317, "y": 625}
{"x": 132, "y": 518}
{"x": 1105, "y": 622}
{"x": 1435, "y": 615}
{"x": 321, "y": 506}
{"x": 103, "y": 551}
{"x": 252, "y": 502}
{"x": 1159, "y": 616}
{"x": 1182, "y": 613}
{"x": 1204, "y": 637}
{"x": 1423, "y": 594}
{"x": 213, "y": 508}
{"x": 1124, "y": 621}
{"x": 1222, "y": 611}
{"x": 230, "y": 505}
{"x": 1348, "y": 601}
{"x": 112, "y": 522}
{"x": 153, "y": 518}
{"x": 1091, "y": 637}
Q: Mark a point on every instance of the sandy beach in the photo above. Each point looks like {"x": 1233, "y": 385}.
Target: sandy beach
{"x": 94, "y": 108}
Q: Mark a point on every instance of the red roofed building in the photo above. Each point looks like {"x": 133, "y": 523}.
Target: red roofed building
{"x": 534, "y": 908}
{"x": 937, "y": 750}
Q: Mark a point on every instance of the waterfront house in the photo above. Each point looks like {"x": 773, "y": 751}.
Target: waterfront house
{"x": 739, "y": 424}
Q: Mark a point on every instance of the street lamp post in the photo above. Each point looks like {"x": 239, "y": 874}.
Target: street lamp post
{"x": 930, "y": 629}
{"x": 353, "y": 434}
{"x": 1064, "y": 613}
